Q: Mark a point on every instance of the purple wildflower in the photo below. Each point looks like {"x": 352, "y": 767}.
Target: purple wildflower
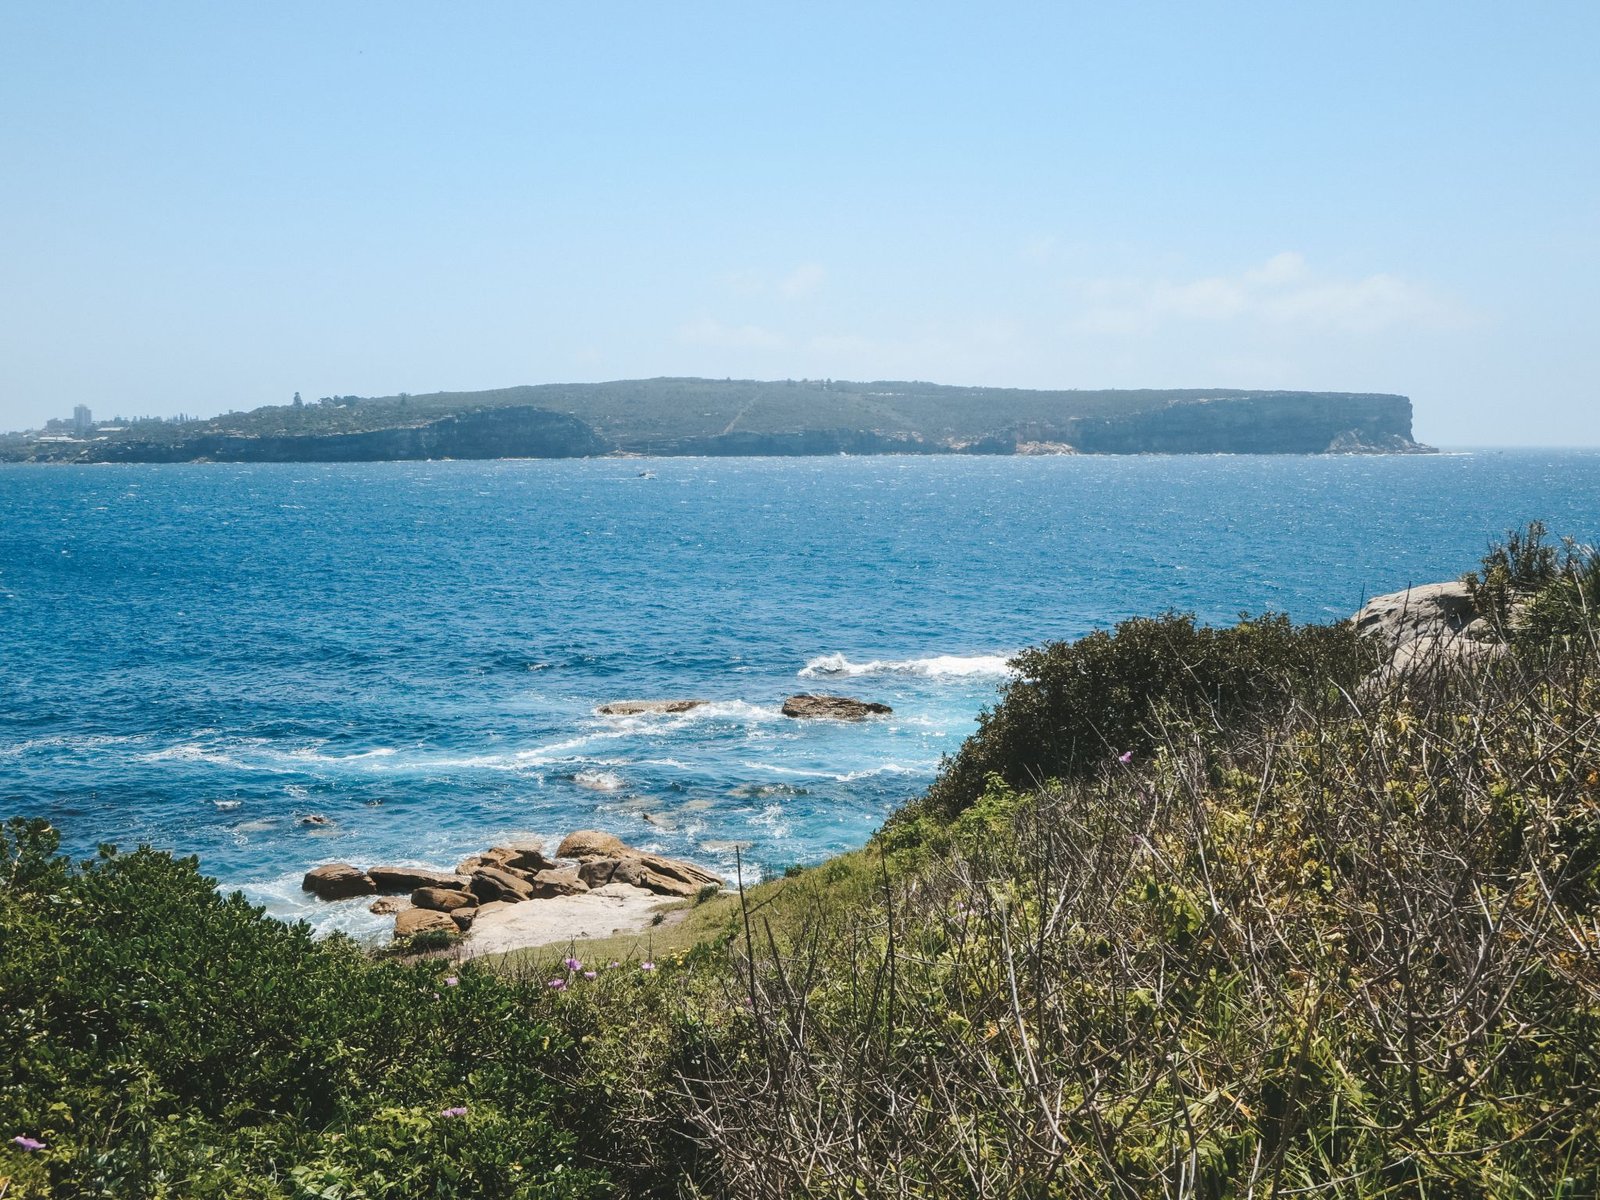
{"x": 559, "y": 985}
{"x": 451, "y": 980}
{"x": 612, "y": 966}
{"x": 588, "y": 974}
{"x": 647, "y": 966}
{"x": 459, "y": 1111}
{"x": 1125, "y": 757}
{"x": 572, "y": 964}
{"x": 27, "y": 1143}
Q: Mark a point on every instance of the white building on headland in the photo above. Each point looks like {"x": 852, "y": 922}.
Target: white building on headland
{"x": 82, "y": 420}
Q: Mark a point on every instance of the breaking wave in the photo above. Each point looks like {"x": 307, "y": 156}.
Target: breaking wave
{"x": 938, "y": 666}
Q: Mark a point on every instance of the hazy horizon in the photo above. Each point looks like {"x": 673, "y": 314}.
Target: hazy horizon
{"x": 214, "y": 208}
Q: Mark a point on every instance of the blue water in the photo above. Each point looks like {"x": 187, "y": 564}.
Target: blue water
{"x": 198, "y": 656}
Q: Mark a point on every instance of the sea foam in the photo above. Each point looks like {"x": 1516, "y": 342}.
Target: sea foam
{"x": 950, "y": 666}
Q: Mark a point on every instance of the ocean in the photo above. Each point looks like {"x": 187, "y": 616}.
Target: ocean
{"x": 201, "y": 656}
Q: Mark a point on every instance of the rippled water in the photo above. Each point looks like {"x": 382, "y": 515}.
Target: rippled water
{"x": 199, "y": 656}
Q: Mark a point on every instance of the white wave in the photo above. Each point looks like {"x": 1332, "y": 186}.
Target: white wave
{"x": 938, "y": 666}
{"x": 227, "y": 805}
{"x": 282, "y": 898}
{"x": 885, "y": 769}
{"x": 599, "y": 781}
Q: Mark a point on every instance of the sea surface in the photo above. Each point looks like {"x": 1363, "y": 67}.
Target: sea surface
{"x": 199, "y": 657}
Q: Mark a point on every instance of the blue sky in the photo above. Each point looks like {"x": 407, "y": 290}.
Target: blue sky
{"x": 205, "y": 206}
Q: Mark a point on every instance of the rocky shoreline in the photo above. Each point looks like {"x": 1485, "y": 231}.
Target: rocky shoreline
{"x": 591, "y": 874}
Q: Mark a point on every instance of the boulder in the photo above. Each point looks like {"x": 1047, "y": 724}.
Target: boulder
{"x": 316, "y": 819}
{"x": 629, "y": 708}
{"x": 1431, "y": 610}
{"x": 442, "y": 899}
{"x": 597, "y": 872}
{"x": 397, "y": 881}
{"x": 422, "y": 920}
{"x": 336, "y": 881}
{"x": 530, "y": 860}
{"x": 492, "y": 906}
{"x": 491, "y": 883}
{"x": 387, "y": 906}
{"x": 463, "y": 918}
{"x": 1424, "y": 661}
{"x": 586, "y": 843}
{"x": 838, "y": 708}
{"x": 565, "y": 881}
{"x": 665, "y": 876}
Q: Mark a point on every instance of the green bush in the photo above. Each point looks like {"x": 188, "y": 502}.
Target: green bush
{"x": 1076, "y": 706}
{"x": 163, "y": 1040}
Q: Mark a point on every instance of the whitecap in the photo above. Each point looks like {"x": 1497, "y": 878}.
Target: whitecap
{"x": 938, "y": 666}
{"x": 599, "y": 781}
{"x": 227, "y": 805}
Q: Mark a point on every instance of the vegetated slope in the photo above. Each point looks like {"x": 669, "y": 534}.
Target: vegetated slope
{"x": 1323, "y": 940}
{"x": 734, "y": 417}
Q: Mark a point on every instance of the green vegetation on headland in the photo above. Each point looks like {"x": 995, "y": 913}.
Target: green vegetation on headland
{"x": 1194, "y": 913}
{"x": 749, "y": 417}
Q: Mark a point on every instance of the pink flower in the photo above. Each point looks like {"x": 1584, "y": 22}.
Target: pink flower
{"x": 588, "y": 975}
{"x": 1125, "y": 757}
{"x": 27, "y": 1143}
{"x": 559, "y": 985}
{"x": 647, "y": 966}
{"x": 612, "y": 966}
{"x": 458, "y": 1111}
{"x": 572, "y": 964}
{"x": 451, "y": 980}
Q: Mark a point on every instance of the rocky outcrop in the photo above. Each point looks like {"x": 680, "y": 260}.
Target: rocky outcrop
{"x": 1430, "y": 610}
{"x": 629, "y": 708}
{"x": 664, "y": 876}
{"x": 1423, "y": 631}
{"x": 837, "y": 708}
{"x": 588, "y": 860}
{"x": 337, "y": 881}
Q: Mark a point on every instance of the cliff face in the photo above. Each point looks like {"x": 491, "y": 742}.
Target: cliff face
{"x": 728, "y": 418}
{"x": 494, "y": 433}
{"x": 1282, "y": 423}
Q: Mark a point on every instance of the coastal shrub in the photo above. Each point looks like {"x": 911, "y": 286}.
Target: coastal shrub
{"x": 1512, "y": 570}
{"x": 1339, "y": 952}
{"x": 160, "y": 1039}
{"x": 1074, "y": 706}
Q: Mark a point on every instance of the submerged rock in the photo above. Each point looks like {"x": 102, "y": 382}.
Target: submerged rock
{"x": 337, "y": 881}
{"x": 838, "y": 708}
{"x": 629, "y": 708}
{"x": 387, "y": 906}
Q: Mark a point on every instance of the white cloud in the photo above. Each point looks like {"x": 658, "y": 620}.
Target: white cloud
{"x": 803, "y": 280}
{"x": 708, "y": 331}
{"x": 1282, "y": 292}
